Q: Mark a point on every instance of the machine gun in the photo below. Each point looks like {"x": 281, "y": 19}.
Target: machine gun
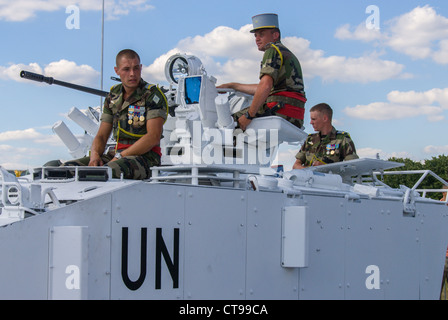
{"x": 89, "y": 121}
{"x": 40, "y": 78}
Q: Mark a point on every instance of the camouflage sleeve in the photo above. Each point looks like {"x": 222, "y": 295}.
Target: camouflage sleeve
{"x": 107, "y": 115}
{"x": 271, "y": 63}
{"x": 156, "y": 105}
{"x": 349, "y": 148}
{"x": 301, "y": 155}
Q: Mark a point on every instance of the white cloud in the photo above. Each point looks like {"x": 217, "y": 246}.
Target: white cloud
{"x": 18, "y": 157}
{"x": 420, "y": 34}
{"x": 22, "y": 149}
{"x": 361, "y": 33}
{"x": 389, "y": 111}
{"x": 21, "y": 10}
{"x": 441, "y": 56}
{"x": 368, "y": 68}
{"x": 116, "y": 8}
{"x": 32, "y": 135}
{"x": 415, "y": 33}
{"x": 27, "y": 134}
{"x": 12, "y": 72}
{"x": 231, "y": 55}
{"x": 431, "y": 104}
{"x": 69, "y": 71}
{"x": 222, "y": 41}
{"x": 61, "y": 70}
{"x": 420, "y": 98}
{"x": 436, "y": 150}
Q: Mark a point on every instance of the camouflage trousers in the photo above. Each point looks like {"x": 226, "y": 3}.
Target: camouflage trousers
{"x": 265, "y": 112}
{"x": 132, "y": 167}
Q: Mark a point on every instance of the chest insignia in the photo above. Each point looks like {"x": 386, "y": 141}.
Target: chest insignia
{"x": 136, "y": 115}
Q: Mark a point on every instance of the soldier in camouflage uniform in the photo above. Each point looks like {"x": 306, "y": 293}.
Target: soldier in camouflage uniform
{"x": 280, "y": 91}
{"x": 327, "y": 145}
{"x": 135, "y": 111}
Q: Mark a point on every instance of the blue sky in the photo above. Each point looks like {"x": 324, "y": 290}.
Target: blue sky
{"x": 388, "y": 86}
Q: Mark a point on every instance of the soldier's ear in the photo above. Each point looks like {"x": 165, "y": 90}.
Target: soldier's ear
{"x": 277, "y": 34}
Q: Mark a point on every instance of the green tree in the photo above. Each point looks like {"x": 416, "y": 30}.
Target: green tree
{"x": 438, "y": 165}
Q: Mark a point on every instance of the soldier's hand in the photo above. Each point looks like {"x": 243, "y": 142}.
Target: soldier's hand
{"x": 95, "y": 161}
{"x": 243, "y": 122}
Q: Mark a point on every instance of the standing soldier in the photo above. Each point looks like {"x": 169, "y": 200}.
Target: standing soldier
{"x": 326, "y": 145}
{"x": 135, "y": 111}
{"x": 280, "y": 90}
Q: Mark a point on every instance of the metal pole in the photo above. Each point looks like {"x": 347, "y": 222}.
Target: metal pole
{"x": 102, "y": 53}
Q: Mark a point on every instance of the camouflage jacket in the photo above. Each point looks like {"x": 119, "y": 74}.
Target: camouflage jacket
{"x": 129, "y": 116}
{"x": 335, "y": 147}
{"x": 284, "y": 68}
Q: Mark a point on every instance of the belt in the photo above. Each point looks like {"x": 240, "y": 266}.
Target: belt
{"x": 290, "y": 104}
{"x": 292, "y": 98}
{"x": 127, "y": 141}
{"x": 122, "y": 146}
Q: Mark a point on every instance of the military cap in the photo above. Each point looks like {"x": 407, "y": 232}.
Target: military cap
{"x": 265, "y": 21}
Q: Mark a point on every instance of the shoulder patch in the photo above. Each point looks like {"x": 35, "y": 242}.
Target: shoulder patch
{"x": 343, "y": 133}
{"x": 116, "y": 88}
{"x": 149, "y": 86}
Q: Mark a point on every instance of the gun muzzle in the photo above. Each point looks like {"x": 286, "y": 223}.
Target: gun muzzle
{"x": 36, "y": 77}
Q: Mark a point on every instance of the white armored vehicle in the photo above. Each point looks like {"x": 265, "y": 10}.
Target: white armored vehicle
{"x": 216, "y": 220}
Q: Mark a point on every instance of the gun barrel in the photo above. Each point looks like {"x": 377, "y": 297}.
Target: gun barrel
{"x": 35, "y": 77}
{"x": 40, "y": 78}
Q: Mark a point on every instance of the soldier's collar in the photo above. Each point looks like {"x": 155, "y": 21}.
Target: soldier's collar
{"x": 333, "y": 132}
{"x": 141, "y": 86}
{"x": 330, "y": 135}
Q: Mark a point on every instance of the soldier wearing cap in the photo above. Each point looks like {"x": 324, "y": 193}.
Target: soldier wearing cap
{"x": 327, "y": 145}
{"x": 135, "y": 112}
{"x": 280, "y": 91}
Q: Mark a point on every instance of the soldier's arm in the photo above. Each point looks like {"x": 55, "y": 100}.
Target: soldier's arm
{"x": 244, "y": 88}
{"x": 349, "y": 149}
{"x": 260, "y": 96}
{"x": 99, "y": 144}
{"x": 300, "y": 157}
{"x": 151, "y": 139}
{"x": 298, "y": 165}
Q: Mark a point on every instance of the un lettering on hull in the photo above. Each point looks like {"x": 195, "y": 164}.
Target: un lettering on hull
{"x": 147, "y": 250}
